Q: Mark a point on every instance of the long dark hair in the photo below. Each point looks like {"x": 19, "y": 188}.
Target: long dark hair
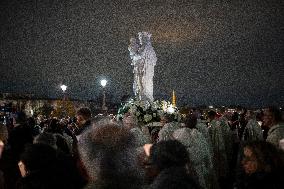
{"x": 269, "y": 158}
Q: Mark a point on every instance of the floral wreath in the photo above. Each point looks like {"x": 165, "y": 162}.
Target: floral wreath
{"x": 147, "y": 112}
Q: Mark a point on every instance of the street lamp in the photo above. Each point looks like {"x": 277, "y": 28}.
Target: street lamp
{"x": 63, "y": 87}
{"x": 103, "y": 84}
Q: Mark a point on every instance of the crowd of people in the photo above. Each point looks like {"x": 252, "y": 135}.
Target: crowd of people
{"x": 239, "y": 150}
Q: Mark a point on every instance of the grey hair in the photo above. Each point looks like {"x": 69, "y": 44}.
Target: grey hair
{"x": 108, "y": 152}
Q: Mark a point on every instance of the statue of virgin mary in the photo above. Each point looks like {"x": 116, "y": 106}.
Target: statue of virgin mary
{"x": 144, "y": 60}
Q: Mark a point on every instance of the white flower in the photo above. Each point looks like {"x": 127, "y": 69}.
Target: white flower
{"x": 158, "y": 109}
{"x": 132, "y": 109}
{"x": 137, "y": 103}
{"x": 176, "y": 116}
{"x": 170, "y": 109}
{"x": 137, "y": 114}
{"x": 147, "y": 118}
{"x": 160, "y": 113}
{"x": 156, "y": 105}
{"x": 145, "y": 105}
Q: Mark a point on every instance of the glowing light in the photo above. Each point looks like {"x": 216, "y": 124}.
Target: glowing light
{"x": 171, "y": 109}
{"x": 103, "y": 82}
{"x": 164, "y": 106}
{"x": 63, "y": 87}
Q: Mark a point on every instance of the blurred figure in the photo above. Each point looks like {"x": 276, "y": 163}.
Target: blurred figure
{"x": 83, "y": 117}
{"x": 37, "y": 166}
{"x": 66, "y": 165}
{"x": 54, "y": 127}
{"x": 46, "y": 138}
{"x": 242, "y": 121}
{"x": 281, "y": 144}
{"x": 220, "y": 159}
{"x": 202, "y": 127}
{"x": 62, "y": 144}
{"x": 2, "y": 180}
{"x": 156, "y": 133}
{"x": 3, "y": 133}
{"x": 273, "y": 120}
{"x": 235, "y": 129}
{"x": 198, "y": 150}
{"x": 31, "y": 122}
{"x": 234, "y": 126}
{"x": 263, "y": 167}
{"x": 252, "y": 130}
{"x": 109, "y": 154}
{"x": 168, "y": 127}
{"x": 170, "y": 162}
{"x": 130, "y": 122}
{"x": 228, "y": 135}
{"x": 19, "y": 136}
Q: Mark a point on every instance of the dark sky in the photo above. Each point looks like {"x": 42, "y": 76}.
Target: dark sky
{"x": 209, "y": 52}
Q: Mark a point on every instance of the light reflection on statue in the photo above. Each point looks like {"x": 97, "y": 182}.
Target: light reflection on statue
{"x": 144, "y": 60}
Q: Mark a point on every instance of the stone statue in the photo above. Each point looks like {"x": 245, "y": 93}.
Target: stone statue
{"x": 144, "y": 60}
{"x": 138, "y": 67}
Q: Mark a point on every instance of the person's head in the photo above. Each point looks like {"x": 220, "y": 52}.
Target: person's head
{"x": 222, "y": 110}
{"x": 166, "y": 154}
{"x": 107, "y": 151}
{"x": 62, "y": 144}
{"x": 211, "y": 115}
{"x": 3, "y": 133}
{"x": 21, "y": 118}
{"x": 250, "y": 115}
{"x": 53, "y": 125}
{"x": 45, "y": 138}
{"x": 83, "y": 115}
{"x": 190, "y": 121}
{"x": 169, "y": 166}
{"x": 259, "y": 115}
{"x": 166, "y": 118}
{"x": 31, "y": 122}
{"x": 129, "y": 121}
{"x": 260, "y": 156}
{"x": 235, "y": 116}
{"x": 271, "y": 116}
{"x": 37, "y": 158}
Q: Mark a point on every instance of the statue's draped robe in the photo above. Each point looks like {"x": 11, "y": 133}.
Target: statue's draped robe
{"x": 144, "y": 60}
{"x": 149, "y": 60}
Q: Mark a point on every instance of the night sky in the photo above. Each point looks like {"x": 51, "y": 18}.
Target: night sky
{"x": 210, "y": 53}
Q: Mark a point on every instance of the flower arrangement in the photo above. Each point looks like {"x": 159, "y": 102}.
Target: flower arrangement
{"x": 147, "y": 112}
